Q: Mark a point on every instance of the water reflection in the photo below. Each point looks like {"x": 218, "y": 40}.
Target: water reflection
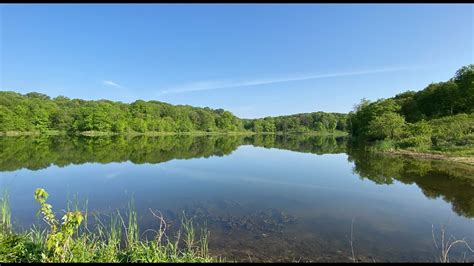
{"x": 41, "y": 152}
{"x": 267, "y": 197}
{"x": 453, "y": 182}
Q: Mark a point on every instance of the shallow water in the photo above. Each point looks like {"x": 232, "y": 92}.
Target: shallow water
{"x": 263, "y": 198}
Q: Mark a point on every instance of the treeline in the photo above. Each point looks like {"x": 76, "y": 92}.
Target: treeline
{"x": 306, "y": 122}
{"x": 437, "y": 117}
{"x": 36, "y": 112}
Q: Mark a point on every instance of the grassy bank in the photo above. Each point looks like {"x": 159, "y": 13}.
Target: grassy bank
{"x": 31, "y": 133}
{"x": 336, "y": 133}
{"x": 128, "y": 133}
{"x": 118, "y": 240}
{"x": 437, "y": 155}
{"x": 461, "y": 154}
{"x": 191, "y": 133}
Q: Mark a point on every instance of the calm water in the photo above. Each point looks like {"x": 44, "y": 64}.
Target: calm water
{"x": 278, "y": 198}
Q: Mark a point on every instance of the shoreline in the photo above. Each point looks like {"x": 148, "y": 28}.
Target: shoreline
{"x": 433, "y": 156}
{"x": 195, "y": 133}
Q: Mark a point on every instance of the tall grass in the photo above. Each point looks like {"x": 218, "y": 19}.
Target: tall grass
{"x": 5, "y": 212}
{"x": 115, "y": 239}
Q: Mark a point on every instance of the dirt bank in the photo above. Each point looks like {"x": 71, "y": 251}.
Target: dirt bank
{"x": 435, "y": 156}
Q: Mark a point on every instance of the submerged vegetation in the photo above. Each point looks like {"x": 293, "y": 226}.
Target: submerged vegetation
{"x": 439, "y": 118}
{"x": 70, "y": 240}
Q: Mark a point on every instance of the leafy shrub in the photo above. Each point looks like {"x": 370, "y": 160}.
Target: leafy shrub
{"x": 384, "y": 145}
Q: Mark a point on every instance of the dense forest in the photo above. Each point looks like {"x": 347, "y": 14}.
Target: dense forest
{"x": 36, "y": 112}
{"x": 439, "y": 117}
{"x": 317, "y": 121}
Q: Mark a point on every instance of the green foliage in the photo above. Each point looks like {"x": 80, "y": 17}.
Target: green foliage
{"x": 35, "y": 112}
{"x": 440, "y": 99}
{"x": 19, "y": 248}
{"x": 58, "y": 242}
{"x": 6, "y": 223}
{"x": 15, "y": 247}
{"x": 389, "y": 125}
{"x": 464, "y": 78}
{"x": 384, "y": 145}
{"x": 228, "y": 122}
{"x": 416, "y": 135}
{"x": 438, "y": 117}
{"x": 368, "y": 116}
{"x": 453, "y": 130}
{"x": 264, "y": 125}
{"x": 69, "y": 244}
{"x": 298, "y": 123}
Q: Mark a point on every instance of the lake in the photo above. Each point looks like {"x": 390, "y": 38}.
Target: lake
{"x": 262, "y": 197}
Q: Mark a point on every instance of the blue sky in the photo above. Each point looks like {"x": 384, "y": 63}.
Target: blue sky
{"x": 254, "y": 60}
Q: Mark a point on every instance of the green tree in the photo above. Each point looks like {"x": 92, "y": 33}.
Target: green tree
{"x": 388, "y": 125}
{"x": 464, "y": 78}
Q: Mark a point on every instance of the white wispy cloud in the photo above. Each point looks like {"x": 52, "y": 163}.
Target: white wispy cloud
{"x": 216, "y": 84}
{"x": 111, "y": 83}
